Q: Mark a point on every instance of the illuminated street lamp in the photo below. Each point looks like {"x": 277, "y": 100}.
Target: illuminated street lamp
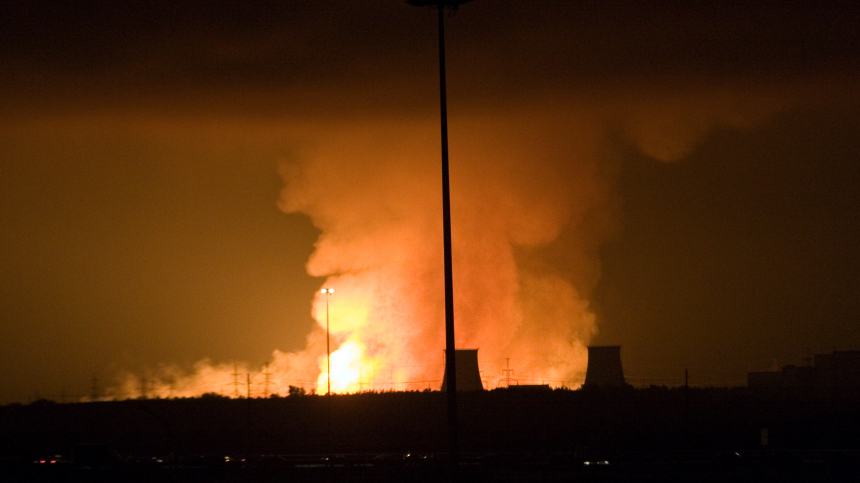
{"x": 327, "y": 292}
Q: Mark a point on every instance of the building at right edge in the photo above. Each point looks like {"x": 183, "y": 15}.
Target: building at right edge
{"x": 829, "y": 374}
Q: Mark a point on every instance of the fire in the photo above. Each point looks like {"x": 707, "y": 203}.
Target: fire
{"x": 344, "y": 314}
{"x": 380, "y": 247}
{"x": 526, "y": 223}
{"x": 348, "y": 368}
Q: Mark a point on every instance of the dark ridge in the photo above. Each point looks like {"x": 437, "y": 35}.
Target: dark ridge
{"x": 656, "y": 431}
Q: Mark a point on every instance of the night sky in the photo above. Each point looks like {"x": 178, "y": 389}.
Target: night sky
{"x": 179, "y": 179}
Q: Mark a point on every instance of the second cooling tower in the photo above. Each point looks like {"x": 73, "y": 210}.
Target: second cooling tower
{"x": 604, "y": 366}
{"x": 466, "y": 367}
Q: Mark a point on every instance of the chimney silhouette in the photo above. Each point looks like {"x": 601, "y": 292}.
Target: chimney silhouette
{"x": 604, "y": 366}
{"x": 468, "y": 375}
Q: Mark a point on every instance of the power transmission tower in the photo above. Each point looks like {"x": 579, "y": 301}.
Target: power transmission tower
{"x": 235, "y": 382}
{"x": 508, "y": 372}
{"x": 267, "y": 381}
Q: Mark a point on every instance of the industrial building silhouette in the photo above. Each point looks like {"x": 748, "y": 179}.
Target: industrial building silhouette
{"x": 604, "y": 366}
{"x": 468, "y": 374}
{"x": 837, "y": 371}
{"x": 604, "y": 369}
{"x": 651, "y": 434}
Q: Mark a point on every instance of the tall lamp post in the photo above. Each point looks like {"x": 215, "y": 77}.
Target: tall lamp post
{"x": 450, "y": 370}
{"x": 327, "y": 292}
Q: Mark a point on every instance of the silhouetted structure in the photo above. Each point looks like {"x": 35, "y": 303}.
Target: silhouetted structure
{"x": 508, "y": 372}
{"x": 838, "y": 371}
{"x": 604, "y": 366}
{"x": 468, "y": 375}
{"x": 530, "y": 387}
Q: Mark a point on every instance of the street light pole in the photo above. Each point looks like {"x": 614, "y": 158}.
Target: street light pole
{"x": 450, "y": 366}
{"x": 450, "y": 357}
{"x": 327, "y": 292}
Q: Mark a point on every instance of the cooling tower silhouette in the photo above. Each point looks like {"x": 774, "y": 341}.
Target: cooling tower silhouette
{"x": 468, "y": 375}
{"x": 604, "y": 366}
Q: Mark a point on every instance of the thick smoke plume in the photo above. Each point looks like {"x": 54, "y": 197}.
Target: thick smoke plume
{"x": 533, "y": 201}
{"x": 374, "y": 192}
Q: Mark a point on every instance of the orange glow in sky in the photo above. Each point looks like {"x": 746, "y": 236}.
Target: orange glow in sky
{"x": 176, "y": 191}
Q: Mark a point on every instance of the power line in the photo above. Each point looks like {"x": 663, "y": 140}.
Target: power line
{"x": 508, "y": 372}
{"x": 235, "y": 382}
{"x": 266, "y": 381}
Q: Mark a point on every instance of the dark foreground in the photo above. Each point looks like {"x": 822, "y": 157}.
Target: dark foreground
{"x": 789, "y": 466}
{"x": 652, "y": 434}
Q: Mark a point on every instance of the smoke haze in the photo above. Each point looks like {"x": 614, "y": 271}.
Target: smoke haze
{"x": 179, "y": 182}
{"x": 533, "y": 202}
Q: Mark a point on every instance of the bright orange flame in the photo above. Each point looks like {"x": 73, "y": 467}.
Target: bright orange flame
{"x": 348, "y": 367}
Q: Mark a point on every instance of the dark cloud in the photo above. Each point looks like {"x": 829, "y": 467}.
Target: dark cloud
{"x": 748, "y": 243}
{"x": 274, "y": 56}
